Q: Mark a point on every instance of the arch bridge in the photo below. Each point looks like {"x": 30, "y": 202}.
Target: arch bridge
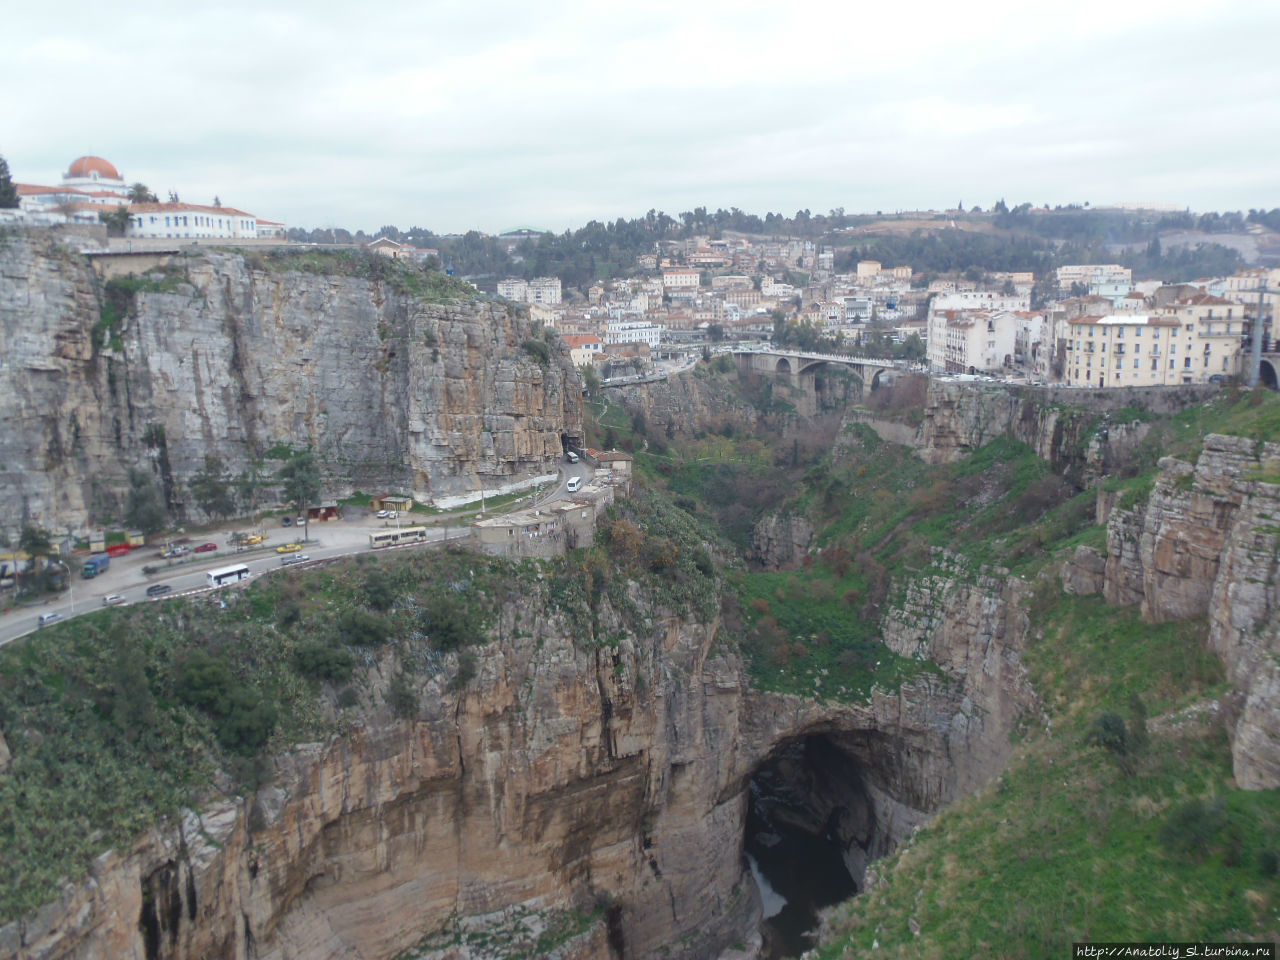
{"x": 793, "y": 364}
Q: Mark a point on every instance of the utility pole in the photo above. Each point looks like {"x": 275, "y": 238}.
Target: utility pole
{"x": 1259, "y": 320}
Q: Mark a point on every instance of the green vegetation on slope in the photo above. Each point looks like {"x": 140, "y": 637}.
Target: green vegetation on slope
{"x": 1069, "y": 844}
{"x": 119, "y": 718}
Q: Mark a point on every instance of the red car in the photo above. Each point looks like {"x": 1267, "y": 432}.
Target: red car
{"x": 206, "y": 547}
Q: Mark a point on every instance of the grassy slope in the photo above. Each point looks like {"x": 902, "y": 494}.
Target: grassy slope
{"x": 1067, "y": 845}
{"x": 120, "y": 718}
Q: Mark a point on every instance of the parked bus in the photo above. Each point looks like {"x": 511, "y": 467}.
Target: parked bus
{"x": 224, "y": 575}
{"x": 393, "y": 538}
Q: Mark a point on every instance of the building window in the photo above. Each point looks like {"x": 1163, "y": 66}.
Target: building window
{"x": 1135, "y": 363}
{"x": 1186, "y": 363}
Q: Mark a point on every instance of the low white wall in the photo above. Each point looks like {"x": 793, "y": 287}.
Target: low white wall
{"x": 462, "y": 500}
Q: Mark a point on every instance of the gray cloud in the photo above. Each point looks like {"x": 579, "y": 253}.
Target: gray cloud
{"x": 454, "y": 115}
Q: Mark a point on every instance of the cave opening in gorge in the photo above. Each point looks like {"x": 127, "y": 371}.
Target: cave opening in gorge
{"x": 811, "y": 829}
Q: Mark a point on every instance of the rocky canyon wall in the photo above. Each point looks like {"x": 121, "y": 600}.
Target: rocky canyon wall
{"x": 219, "y": 355}
{"x": 564, "y": 777}
{"x": 1070, "y": 428}
{"x": 1206, "y": 543}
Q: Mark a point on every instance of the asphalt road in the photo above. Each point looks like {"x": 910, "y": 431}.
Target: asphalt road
{"x": 328, "y": 540}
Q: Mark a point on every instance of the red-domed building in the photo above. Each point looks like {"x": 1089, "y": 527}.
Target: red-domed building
{"x": 92, "y": 186}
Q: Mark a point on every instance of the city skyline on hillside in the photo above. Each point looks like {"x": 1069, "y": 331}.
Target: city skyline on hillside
{"x": 485, "y": 117}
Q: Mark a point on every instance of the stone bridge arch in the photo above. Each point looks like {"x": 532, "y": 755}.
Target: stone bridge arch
{"x": 1267, "y": 374}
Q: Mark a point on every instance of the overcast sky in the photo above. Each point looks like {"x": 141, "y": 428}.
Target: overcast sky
{"x": 491, "y": 115}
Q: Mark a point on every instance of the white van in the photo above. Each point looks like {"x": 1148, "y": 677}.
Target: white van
{"x": 572, "y": 457}
{"x": 46, "y": 618}
{"x": 573, "y": 484}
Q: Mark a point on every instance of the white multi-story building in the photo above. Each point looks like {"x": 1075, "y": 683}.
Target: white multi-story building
{"x": 633, "y": 331}
{"x": 981, "y": 300}
{"x": 514, "y": 288}
{"x": 190, "y": 221}
{"x": 544, "y": 290}
{"x": 1090, "y": 274}
{"x": 971, "y": 341}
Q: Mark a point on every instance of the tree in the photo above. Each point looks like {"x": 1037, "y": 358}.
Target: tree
{"x": 117, "y": 221}
{"x": 216, "y": 201}
{"x": 301, "y": 480}
{"x": 173, "y": 197}
{"x": 211, "y": 488}
{"x": 146, "y": 509}
{"x": 8, "y": 192}
{"x": 141, "y": 193}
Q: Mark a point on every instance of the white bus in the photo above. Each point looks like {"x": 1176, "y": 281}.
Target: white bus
{"x": 225, "y": 575}
{"x": 393, "y": 538}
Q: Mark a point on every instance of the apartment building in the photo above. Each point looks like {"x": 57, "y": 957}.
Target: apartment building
{"x": 680, "y": 279}
{"x": 543, "y": 290}
{"x": 1090, "y": 274}
{"x": 1126, "y": 350}
{"x": 972, "y": 341}
{"x": 634, "y": 331}
{"x": 584, "y": 348}
{"x": 1211, "y": 329}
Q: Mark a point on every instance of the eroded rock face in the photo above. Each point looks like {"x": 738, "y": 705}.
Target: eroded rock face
{"x": 391, "y": 391}
{"x": 1206, "y": 545}
{"x": 1057, "y": 422}
{"x": 779, "y": 543}
{"x": 562, "y": 777}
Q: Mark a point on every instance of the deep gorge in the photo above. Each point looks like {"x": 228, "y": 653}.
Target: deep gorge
{"x": 822, "y": 646}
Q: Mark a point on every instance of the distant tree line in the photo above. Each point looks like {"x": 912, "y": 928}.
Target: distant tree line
{"x": 1028, "y": 238}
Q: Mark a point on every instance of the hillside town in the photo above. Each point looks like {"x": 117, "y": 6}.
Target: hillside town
{"x": 1086, "y": 325}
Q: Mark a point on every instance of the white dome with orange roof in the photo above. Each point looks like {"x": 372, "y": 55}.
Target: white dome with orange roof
{"x": 94, "y": 175}
{"x": 92, "y": 167}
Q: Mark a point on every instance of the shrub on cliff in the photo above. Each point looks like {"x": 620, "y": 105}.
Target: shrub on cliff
{"x": 538, "y": 350}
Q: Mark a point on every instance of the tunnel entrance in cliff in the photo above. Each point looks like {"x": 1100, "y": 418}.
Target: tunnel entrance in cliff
{"x": 811, "y": 829}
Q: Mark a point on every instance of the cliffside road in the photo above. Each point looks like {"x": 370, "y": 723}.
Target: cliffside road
{"x": 125, "y": 577}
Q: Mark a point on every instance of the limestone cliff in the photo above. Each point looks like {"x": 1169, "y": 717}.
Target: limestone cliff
{"x": 563, "y": 777}
{"x": 1059, "y": 423}
{"x": 221, "y": 355}
{"x": 780, "y": 542}
{"x": 1205, "y": 544}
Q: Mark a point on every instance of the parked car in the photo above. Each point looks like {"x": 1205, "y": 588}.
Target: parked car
{"x": 178, "y": 550}
{"x": 286, "y": 521}
{"x": 47, "y": 618}
{"x": 288, "y": 548}
{"x": 294, "y": 558}
{"x": 206, "y": 547}
{"x": 383, "y": 514}
{"x": 251, "y": 541}
{"x": 158, "y": 589}
{"x": 113, "y": 599}
{"x": 391, "y": 514}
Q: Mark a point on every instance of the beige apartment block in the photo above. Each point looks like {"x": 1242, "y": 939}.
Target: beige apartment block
{"x": 1130, "y": 350}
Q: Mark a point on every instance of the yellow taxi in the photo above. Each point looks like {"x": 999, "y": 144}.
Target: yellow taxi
{"x": 288, "y": 548}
